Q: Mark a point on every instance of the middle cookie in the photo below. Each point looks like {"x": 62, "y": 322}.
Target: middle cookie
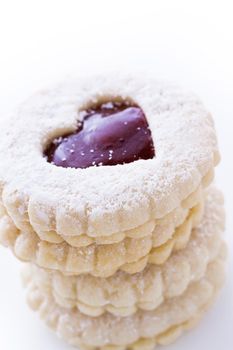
{"x": 130, "y": 255}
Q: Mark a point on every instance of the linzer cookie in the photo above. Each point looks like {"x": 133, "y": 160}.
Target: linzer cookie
{"x": 158, "y": 233}
{"x": 104, "y": 193}
{"x": 100, "y": 157}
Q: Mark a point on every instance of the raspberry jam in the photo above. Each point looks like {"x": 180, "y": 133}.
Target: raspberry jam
{"x": 110, "y": 134}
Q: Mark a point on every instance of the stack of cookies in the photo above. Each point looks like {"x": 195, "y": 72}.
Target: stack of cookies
{"x": 104, "y": 190}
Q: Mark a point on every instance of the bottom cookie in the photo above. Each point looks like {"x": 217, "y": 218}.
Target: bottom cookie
{"x": 144, "y": 329}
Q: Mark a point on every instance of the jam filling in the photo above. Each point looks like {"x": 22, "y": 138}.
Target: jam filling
{"x": 110, "y": 134}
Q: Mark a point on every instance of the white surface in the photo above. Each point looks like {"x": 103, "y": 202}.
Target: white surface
{"x": 190, "y": 42}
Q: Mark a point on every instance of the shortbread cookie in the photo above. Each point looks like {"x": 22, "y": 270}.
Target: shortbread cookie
{"x": 107, "y": 331}
{"x": 130, "y": 255}
{"x": 124, "y": 294}
{"x": 155, "y": 142}
{"x": 160, "y": 230}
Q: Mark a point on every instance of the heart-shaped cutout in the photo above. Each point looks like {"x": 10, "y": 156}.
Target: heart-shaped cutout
{"x": 110, "y": 134}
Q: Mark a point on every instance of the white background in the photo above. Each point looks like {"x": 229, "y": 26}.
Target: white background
{"x": 190, "y": 42}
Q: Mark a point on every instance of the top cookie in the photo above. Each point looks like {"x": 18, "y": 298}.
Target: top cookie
{"x": 103, "y": 200}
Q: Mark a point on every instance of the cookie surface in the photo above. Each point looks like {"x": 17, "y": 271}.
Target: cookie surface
{"x": 124, "y": 294}
{"x": 99, "y": 201}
